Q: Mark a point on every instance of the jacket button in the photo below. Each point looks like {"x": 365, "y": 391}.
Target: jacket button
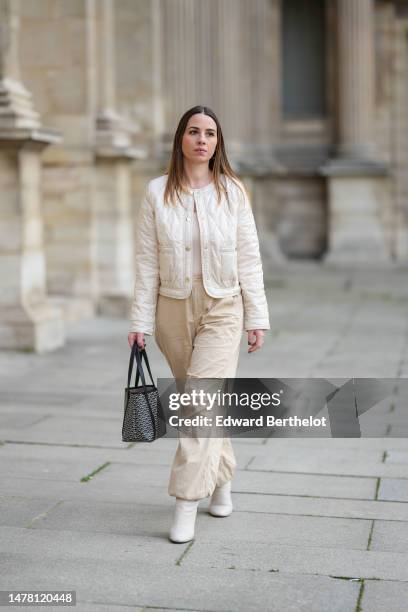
{"x": 187, "y": 248}
{"x": 188, "y": 219}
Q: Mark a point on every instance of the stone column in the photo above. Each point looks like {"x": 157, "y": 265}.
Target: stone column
{"x": 357, "y": 187}
{"x": 27, "y": 319}
{"x": 356, "y": 79}
{"x": 247, "y": 94}
{"x": 254, "y": 130}
{"x": 114, "y": 155}
{"x": 110, "y": 129}
{"x": 57, "y": 63}
{"x": 400, "y": 117}
{"x": 16, "y": 107}
{"x": 182, "y": 37}
{"x": 158, "y": 127}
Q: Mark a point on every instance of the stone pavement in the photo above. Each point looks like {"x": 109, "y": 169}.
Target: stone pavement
{"x": 319, "y": 524}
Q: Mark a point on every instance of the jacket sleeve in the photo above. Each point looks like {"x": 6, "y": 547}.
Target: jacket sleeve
{"x": 143, "y": 309}
{"x": 250, "y": 272}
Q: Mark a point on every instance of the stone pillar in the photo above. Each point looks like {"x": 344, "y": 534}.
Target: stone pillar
{"x": 27, "y": 319}
{"x": 254, "y": 130}
{"x": 400, "y": 117}
{"x": 247, "y": 95}
{"x": 356, "y": 79}
{"x": 261, "y": 159}
{"x": 57, "y": 64}
{"x": 158, "y": 125}
{"x": 180, "y": 49}
{"x": 357, "y": 184}
{"x": 16, "y": 107}
{"x": 264, "y": 202}
{"x": 110, "y": 129}
{"x": 114, "y": 155}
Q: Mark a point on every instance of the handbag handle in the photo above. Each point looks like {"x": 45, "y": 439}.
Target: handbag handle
{"x": 135, "y": 353}
{"x": 143, "y": 354}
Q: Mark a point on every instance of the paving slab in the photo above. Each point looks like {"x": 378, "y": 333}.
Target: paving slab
{"x": 299, "y": 559}
{"x": 247, "y": 481}
{"x": 129, "y": 474}
{"x": 203, "y": 588}
{"x": 50, "y": 489}
{"x": 22, "y": 420}
{"x": 19, "y": 511}
{"x": 95, "y": 406}
{"x": 284, "y": 529}
{"x": 64, "y": 430}
{"x": 43, "y": 468}
{"x": 68, "y": 544}
{"x": 384, "y": 595}
{"x": 398, "y": 431}
{"x": 342, "y": 445}
{"x": 397, "y": 457}
{"x": 130, "y": 519}
{"x": 351, "y": 463}
{"x": 390, "y": 535}
{"x": 393, "y": 489}
{"x": 319, "y": 506}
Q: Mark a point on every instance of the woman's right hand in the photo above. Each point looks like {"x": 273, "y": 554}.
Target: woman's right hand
{"x": 137, "y": 337}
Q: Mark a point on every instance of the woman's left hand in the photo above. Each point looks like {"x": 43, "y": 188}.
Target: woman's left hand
{"x": 255, "y": 339}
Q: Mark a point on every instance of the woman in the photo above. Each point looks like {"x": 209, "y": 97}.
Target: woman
{"x": 199, "y": 283}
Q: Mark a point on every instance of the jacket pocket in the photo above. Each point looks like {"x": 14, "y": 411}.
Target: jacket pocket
{"x": 166, "y": 261}
{"x": 229, "y": 265}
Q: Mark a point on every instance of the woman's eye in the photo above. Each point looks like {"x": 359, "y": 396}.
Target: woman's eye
{"x": 209, "y": 134}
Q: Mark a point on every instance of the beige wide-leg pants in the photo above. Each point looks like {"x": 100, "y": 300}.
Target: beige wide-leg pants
{"x": 200, "y": 337}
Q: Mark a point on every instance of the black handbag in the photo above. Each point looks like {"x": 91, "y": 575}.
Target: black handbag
{"x": 143, "y": 415}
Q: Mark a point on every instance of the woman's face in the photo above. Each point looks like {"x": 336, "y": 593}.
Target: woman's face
{"x": 199, "y": 139}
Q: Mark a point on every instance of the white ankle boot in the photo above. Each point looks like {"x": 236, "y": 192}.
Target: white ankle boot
{"x": 185, "y": 512}
{"x": 221, "y": 502}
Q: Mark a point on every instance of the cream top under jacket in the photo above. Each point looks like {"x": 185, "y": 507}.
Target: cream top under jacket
{"x": 197, "y": 266}
{"x": 230, "y": 257}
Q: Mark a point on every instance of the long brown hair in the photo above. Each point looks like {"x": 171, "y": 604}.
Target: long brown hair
{"x": 218, "y": 163}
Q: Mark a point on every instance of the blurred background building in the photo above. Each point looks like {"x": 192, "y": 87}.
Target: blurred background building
{"x": 312, "y": 96}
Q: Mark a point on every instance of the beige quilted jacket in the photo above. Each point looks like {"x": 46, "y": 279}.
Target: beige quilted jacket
{"x": 231, "y": 261}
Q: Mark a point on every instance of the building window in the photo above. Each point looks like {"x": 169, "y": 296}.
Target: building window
{"x": 303, "y": 59}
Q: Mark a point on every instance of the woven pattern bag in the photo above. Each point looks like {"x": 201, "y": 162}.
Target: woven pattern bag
{"x": 143, "y": 419}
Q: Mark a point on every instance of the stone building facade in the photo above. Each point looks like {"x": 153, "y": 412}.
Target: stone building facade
{"x": 312, "y": 96}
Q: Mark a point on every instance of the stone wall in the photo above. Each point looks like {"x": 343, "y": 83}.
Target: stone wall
{"x": 113, "y": 77}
